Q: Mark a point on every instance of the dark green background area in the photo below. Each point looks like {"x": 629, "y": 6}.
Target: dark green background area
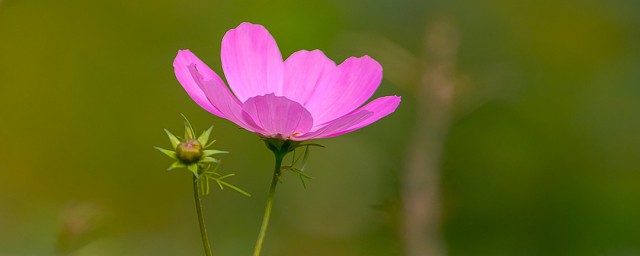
{"x": 540, "y": 157}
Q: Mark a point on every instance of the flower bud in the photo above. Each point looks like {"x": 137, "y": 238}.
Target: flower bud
{"x": 189, "y": 151}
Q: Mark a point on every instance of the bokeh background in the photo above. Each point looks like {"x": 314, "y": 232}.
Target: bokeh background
{"x": 518, "y": 133}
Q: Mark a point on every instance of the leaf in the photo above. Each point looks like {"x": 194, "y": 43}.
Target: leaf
{"x": 226, "y": 176}
{"x": 305, "y": 157}
{"x": 235, "y": 188}
{"x": 167, "y": 152}
{"x": 299, "y": 172}
{"x": 304, "y": 184}
{"x": 174, "y": 140}
{"x": 301, "y": 175}
{"x": 219, "y": 184}
{"x": 310, "y": 145}
{"x": 293, "y": 158}
{"x": 204, "y": 137}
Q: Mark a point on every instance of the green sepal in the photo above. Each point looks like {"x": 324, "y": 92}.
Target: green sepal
{"x": 167, "y": 152}
{"x": 194, "y": 169}
{"x": 210, "y": 152}
{"x": 176, "y": 165}
{"x": 210, "y": 144}
{"x": 174, "y": 140}
{"x": 189, "y": 133}
{"x": 204, "y": 137}
{"x": 209, "y": 160}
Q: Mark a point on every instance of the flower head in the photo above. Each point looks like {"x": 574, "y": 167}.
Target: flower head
{"x": 191, "y": 152}
{"x": 304, "y": 97}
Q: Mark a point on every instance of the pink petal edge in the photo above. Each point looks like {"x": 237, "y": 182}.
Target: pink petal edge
{"x": 344, "y": 89}
{"x": 221, "y": 98}
{"x": 366, "y": 115}
{"x": 251, "y": 61}
{"x": 181, "y": 64}
{"x": 302, "y": 73}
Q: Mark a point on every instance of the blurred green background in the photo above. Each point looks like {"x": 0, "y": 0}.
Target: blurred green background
{"x": 527, "y": 113}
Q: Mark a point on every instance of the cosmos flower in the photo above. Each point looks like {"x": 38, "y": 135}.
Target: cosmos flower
{"x": 307, "y": 96}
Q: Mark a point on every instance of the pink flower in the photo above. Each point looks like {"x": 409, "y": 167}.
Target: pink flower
{"x": 304, "y": 97}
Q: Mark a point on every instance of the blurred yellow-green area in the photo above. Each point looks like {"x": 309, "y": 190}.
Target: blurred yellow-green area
{"x": 523, "y": 119}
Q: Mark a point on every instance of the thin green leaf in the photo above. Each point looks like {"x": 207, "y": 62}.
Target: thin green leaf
{"x": 219, "y": 184}
{"x": 304, "y": 184}
{"x": 167, "y": 152}
{"x": 226, "y": 176}
{"x": 293, "y": 158}
{"x": 310, "y": 144}
{"x": 204, "y": 137}
{"x": 299, "y": 172}
{"x": 305, "y": 157}
{"x": 301, "y": 175}
{"x": 235, "y": 188}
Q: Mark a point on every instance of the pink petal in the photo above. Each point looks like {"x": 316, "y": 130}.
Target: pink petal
{"x": 278, "y": 116}
{"x": 344, "y": 89}
{"x": 302, "y": 73}
{"x": 336, "y": 125}
{"x": 221, "y": 98}
{"x": 181, "y": 64}
{"x": 251, "y": 61}
{"x": 362, "y": 117}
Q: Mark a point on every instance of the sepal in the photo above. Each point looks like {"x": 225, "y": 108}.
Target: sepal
{"x": 167, "y": 152}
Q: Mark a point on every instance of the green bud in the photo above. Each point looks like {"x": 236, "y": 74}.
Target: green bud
{"x": 189, "y": 152}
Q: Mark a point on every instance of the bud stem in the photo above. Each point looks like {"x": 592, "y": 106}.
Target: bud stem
{"x": 203, "y": 229}
{"x": 279, "y": 155}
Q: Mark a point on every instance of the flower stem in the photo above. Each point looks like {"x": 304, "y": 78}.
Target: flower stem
{"x": 203, "y": 229}
{"x": 267, "y": 211}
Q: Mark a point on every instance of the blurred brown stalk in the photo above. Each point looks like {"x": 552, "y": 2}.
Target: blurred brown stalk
{"x": 421, "y": 182}
{"x": 432, "y": 80}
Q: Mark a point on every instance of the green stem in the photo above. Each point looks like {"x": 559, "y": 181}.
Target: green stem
{"x": 267, "y": 211}
{"x": 203, "y": 229}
